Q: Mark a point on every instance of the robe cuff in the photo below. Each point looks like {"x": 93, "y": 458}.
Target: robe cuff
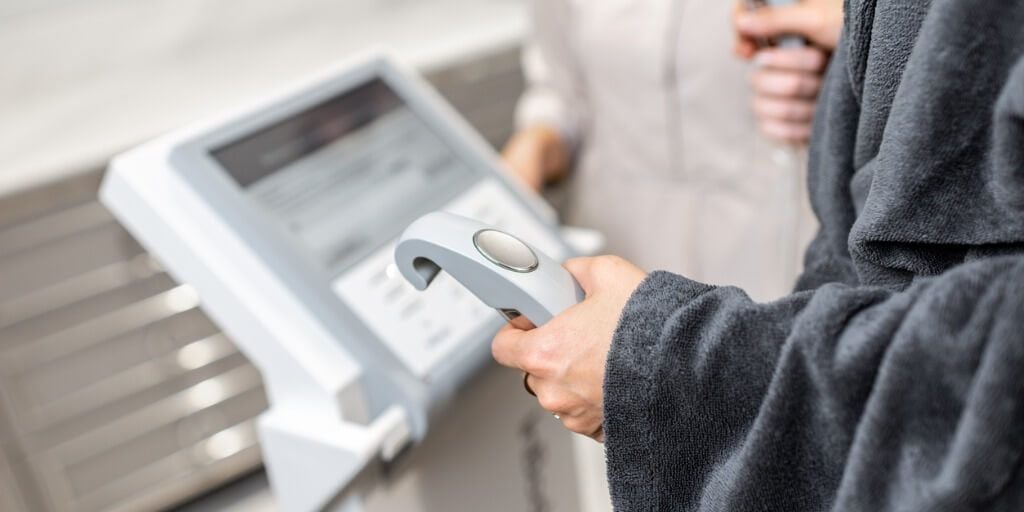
{"x": 631, "y": 385}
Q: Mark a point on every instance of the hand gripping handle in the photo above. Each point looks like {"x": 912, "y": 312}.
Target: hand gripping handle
{"x": 502, "y": 271}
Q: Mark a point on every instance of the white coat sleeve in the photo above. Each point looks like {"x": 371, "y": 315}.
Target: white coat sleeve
{"x": 554, "y": 93}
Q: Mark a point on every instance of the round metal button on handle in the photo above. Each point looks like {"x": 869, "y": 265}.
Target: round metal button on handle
{"x": 505, "y": 250}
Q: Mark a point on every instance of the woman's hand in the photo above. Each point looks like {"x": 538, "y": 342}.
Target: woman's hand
{"x": 565, "y": 358}
{"x": 817, "y": 21}
{"x": 536, "y": 155}
{"x": 786, "y": 84}
{"x": 786, "y": 81}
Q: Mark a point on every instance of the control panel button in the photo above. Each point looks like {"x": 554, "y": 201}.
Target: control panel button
{"x": 505, "y": 250}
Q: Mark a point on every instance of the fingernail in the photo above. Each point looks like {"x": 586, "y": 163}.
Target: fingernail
{"x": 761, "y": 59}
{"x": 745, "y": 22}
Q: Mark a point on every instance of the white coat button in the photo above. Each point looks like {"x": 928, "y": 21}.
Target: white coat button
{"x": 505, "y": 250}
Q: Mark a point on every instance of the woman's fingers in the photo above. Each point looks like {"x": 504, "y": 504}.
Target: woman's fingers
{"x": 819, "y": 21}
{"x": 787, "y": 131}
{"x": 581, "y": 425}
{"x": 782, "y": 109}
{"x": 788, "y": 84}
{"x": 744, "y": 47}
{"x": 575, "y": 413}
{"x": 786, "y": 87}
{"x": 777, "y": 21}
{"x": 807, "y": 59}
{"x": 536, "y": 154}
{"x": 565, "y": 357}
{"x": 554, "y": 398}
{"x": 509, "y": 348}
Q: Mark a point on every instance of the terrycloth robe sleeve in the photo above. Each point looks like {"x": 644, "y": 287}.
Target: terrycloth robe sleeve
{"x": 852, "y": 398}
{"x": 894, "y": 380}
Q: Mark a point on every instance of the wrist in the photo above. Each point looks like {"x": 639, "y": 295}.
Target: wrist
{"x": 550, "y": 150}
{"x": 537, "y": 155}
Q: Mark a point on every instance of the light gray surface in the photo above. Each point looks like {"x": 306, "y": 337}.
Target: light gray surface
{"x": 251, "y": 493}
{"x": 112, "y": 383}
{"x": 82, "y": 82}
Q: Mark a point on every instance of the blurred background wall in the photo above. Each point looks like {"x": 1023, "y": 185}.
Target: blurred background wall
{"x": 116, "y": 392}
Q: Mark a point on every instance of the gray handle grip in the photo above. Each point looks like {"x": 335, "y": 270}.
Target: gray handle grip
{"x": 513, "y": 277}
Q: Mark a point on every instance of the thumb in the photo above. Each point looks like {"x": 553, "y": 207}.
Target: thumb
{"x": 582, "y": 270}
{"x": 796, "y": 19}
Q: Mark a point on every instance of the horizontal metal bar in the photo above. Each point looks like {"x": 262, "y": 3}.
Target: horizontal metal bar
{"x": 26, "y": 354}
{"x": 216, "y": 442}
{"x": 31, "y": 234}
{"x": 204, "y": 394}
{"x": 49, "y": 323}
{"x": 128, "y": 381}
{"x": 36, "y": 202}
{"x": 41, "y": 436}
{"x": 77, "y": 289}
{"x": 52, "y": 263}
{"x": 165, "y": 481}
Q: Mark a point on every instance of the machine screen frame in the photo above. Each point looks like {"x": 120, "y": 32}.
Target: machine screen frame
{"x": 193, "y": 160}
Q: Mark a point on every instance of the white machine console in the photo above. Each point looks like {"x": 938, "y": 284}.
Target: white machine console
{"x": 284, "y": 216}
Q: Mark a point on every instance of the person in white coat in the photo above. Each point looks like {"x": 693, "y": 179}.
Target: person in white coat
{"x": 647, "y": 106}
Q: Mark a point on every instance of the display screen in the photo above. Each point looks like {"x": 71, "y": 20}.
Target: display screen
{"x": 349, "y": 174}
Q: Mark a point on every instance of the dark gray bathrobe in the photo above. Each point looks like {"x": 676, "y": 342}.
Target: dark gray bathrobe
{"x": 893, "y": 379}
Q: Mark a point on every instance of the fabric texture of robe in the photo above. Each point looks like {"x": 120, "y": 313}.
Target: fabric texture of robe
{"x": 893, "y": 378}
